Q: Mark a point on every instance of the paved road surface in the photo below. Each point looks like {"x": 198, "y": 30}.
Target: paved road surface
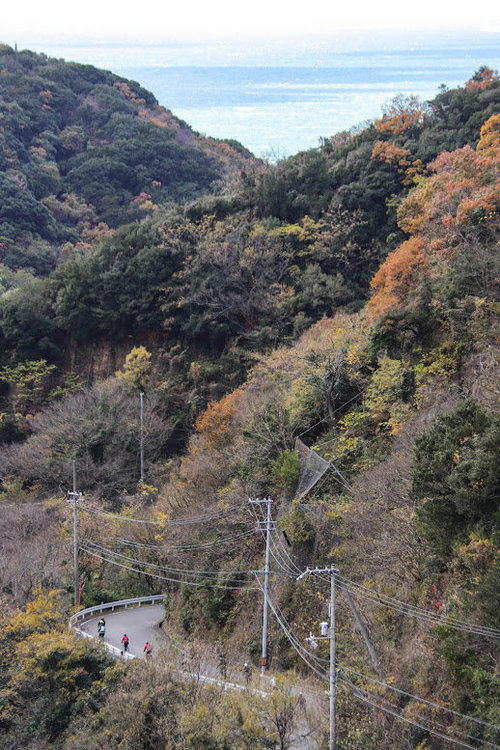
{"x": 142, "y": 624}
{"x": 139, "y": 623}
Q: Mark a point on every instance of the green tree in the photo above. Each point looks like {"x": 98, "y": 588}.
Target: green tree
{"x": 456, "y": 477}
{"x": 26, "y": 322}
{"x": 29, "y": 380}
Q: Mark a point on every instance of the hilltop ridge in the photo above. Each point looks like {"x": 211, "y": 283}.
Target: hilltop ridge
{"x": 83, "y": 150}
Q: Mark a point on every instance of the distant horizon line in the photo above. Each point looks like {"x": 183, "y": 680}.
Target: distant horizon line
{"x": 412, "y": 36}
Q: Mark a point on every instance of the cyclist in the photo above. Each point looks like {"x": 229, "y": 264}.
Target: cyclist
{"x": 222, "y": 666}
{"x": 101, "y": 629}
{"x": 247, "y": 673}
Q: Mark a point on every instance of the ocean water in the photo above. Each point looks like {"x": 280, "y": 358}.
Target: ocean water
{"x": 278, "y": 98}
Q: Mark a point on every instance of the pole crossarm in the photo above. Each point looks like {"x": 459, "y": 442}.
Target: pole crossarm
{"x": 316, "y": 571}
{"x": 263, "y": 526}
{"x": 72, "y": 496}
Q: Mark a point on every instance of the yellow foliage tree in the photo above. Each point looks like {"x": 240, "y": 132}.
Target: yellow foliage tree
{"x": 383, "y": 395}
{"x": 136, "y": 369}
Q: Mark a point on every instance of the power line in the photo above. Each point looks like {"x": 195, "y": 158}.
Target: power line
{"x": 166, "y": 568}
{"x": 175, "y": 522}
{"x": 186, "y": 547}
{"x": 287, "y": 629}
{"x": 272, "y": 550}
{"x": 419, "y": 612}
{"x": 422, "y": 700}
{"x": 329, "y": 416}
{"x": 308, "y": 658}
{"x": 295, "y": 643}
{"x": 406, "y": 609}
{"x": 362, "y": 695}
{"x": 286, "y": 554}
{"x": 204, "y": 584}
{"x": 278, "y": 557}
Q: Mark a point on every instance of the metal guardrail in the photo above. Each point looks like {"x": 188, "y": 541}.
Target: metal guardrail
{"x": 85, "y": 614}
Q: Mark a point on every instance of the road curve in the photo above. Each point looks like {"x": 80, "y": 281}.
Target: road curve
{"x": 141, "y": 624}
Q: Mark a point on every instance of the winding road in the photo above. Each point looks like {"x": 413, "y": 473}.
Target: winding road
{"x": 141, "y": 624}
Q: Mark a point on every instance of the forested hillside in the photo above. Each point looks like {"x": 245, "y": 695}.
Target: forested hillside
{"x": 346, "y": 297}
{"x": 83, "y": 151}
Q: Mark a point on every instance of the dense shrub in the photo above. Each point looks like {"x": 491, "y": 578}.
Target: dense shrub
{"x": 455, "y": 477}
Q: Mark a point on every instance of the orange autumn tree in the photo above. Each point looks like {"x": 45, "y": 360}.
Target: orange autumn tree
{"x": 400, "y": 115}
{"x": 451, "y": 213}
{"x": 215, "y": 423}
{"x": 398, "y": 277}
{"x": 490, "y": 135}
{"x": 389, "y": 153}
{"x": 482, "y": 79}
{"x": 398, "y": 157}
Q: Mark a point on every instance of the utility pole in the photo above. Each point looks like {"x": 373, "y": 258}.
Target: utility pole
{"x": 74, "y": 496}
{"x": 142, "y": 438}
{"x": 266, "y": 525}
{"x": 332, "y": 658}
{"x": 333, "y": 572}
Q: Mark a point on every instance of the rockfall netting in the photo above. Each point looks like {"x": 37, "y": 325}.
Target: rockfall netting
{"x": 312, "y": 468}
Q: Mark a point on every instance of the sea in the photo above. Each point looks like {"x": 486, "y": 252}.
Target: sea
{"x": 278, "y": 97}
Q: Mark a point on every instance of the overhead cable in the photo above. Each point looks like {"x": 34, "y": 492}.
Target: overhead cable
{"x": 203, "y": 584}
{"x": 329, "y": 416}
{"x": 224, "y": 540}
{"x": 302, "y": 652}
{"x": 420, "y": 700}
{"x": 170, "y": 522}
{"x": 419, "y": 612}
{"x": 411, "y": 610}
{"x": 362, "y": 695}
{"x": 166, "y": 568}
